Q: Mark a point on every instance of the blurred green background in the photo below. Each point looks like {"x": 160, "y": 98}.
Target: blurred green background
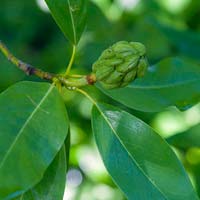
{"x": 167, "y": 28}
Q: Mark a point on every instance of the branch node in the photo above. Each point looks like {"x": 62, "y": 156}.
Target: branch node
{"x": 30, "y": 70}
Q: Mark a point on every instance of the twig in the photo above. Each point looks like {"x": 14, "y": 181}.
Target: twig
{"x": 68, "y": 82}
{"x": 27, "y": 68}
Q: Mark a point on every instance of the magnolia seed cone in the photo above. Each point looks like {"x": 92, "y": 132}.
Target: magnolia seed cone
{"x": 120, "y": 64}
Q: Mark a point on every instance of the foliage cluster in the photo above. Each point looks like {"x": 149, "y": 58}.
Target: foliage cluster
{"x": 35, "y": 129}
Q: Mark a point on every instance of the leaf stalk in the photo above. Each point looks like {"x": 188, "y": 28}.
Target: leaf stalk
{"x": 71, "y": 61}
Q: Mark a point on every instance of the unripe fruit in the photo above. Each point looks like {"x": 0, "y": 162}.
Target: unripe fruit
{"x": 120, "y": 64}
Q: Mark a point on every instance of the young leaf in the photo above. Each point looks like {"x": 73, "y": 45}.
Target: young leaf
{"x": 70, "y": 15}
{"x": 33, "y": 127}
{"x": 140, "y": 162}
{"x": 171, "y": 82}
{"x": 186, "y": 139}
{"x": 52, "y": 185}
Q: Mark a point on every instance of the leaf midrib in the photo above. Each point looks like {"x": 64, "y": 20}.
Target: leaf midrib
{"x": 146, "y": 87}
{"x": 72, "y": 20}
{"x": 25, "y": 124}
{"x": 104, "y": 116}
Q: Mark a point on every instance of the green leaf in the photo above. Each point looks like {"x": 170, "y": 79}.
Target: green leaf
{"x": 52, "y": 185}
{"x": 140, "y": 162}
{"x": 186, "y": 139}
{"x": 70, "y": 15}
{"x": 171, "y": 82}
{"x": 33, "y": 127}
{"x": 195, "y": 169}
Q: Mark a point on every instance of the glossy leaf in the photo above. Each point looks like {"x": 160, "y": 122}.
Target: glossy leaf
{"x": 33, "y": 127}
{"x": 52, "y": 185}
{"x": 171, "y": 82}
{"x": 140, "y": 162}
{"x": 186, "y": 139}
{"x": 70, "y": 15}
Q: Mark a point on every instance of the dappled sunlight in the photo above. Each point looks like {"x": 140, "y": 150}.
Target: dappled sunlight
{"x": 172, "y": 121}
{"x": 42, "y": 5}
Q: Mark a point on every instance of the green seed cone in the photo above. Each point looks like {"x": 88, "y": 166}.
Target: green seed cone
{"x": 110, "y": 86}
{"x": 120, "y": 64}
{"x": 142, "y": 67}
{"x": 114, "y": 77}
{"x": 104, "y": 72}
{"x": 128, "y": 64}
{"x": 130, "y": 76}
{"x": 108, "y": 53}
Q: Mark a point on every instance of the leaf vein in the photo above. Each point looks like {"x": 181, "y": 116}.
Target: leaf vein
{"x": 103, "y": 115}
{"x": 25, "y": 124}
{"x": 162, "y": 86}
{"x": 72, "y": 20}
